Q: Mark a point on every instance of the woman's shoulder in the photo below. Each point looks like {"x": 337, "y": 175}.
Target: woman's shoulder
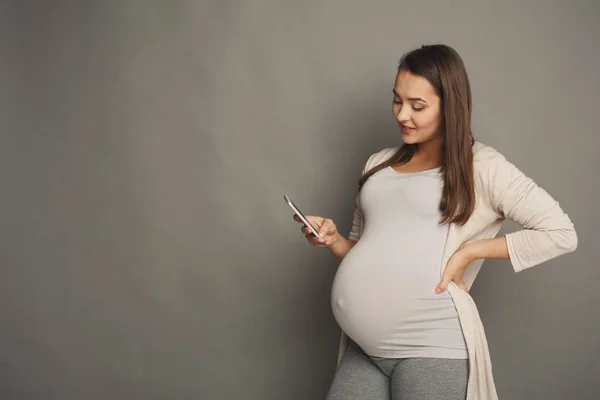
{"x": 485, "y": 157}
{"x": 491, "y": 168}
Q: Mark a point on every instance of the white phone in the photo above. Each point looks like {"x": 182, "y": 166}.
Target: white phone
{"x": 301, "y": 216}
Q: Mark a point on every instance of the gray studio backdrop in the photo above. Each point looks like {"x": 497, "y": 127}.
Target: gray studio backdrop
{"x": 146, "y": 251}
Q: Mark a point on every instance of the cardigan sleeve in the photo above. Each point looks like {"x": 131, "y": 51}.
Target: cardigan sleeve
{"x": 548, "y": 232}
{"x": 356, "y": 222}
{"x": 358, "y": 215}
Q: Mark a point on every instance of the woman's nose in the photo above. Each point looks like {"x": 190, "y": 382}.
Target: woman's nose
{"x": 403, "y": 115}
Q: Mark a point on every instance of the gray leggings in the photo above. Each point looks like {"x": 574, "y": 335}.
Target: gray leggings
{"x": 362, "y": 377}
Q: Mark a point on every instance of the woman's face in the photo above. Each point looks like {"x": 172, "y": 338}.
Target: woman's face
{"x": 417, "y": 108}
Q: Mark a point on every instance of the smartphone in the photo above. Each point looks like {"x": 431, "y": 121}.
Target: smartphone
{"x": 301, "y": 216}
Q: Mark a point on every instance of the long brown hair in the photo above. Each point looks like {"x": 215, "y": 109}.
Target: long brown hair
{"x": 444, "y": 69}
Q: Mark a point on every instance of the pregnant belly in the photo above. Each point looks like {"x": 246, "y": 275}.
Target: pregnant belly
{"x": 363, "y": 306}
{"x": 373, "y": 301}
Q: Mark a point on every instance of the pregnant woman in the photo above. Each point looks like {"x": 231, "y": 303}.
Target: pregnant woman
{"x": 427, "y": 216}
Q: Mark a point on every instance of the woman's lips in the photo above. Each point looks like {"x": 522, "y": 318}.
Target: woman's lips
{"x": 407, "y": 129}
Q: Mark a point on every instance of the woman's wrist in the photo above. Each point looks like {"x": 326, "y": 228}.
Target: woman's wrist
{"x": 340, "y": 246}
{"x": 470, "y": 250}
{"x": 335, "y": 240}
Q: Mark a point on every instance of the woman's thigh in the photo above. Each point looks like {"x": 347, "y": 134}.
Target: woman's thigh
{"x": 430, "y": 379}
{"x": 358, "y": 378}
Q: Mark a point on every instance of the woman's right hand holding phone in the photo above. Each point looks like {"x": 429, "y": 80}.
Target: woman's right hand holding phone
{"x": 326, "y": 228}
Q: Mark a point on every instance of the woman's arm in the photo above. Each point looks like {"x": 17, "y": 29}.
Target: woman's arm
{"x": 547, "y": 231}
{"x": 341, "y": 246}
{"x": 470, "y": 251}
{"x": 486, "y": 248}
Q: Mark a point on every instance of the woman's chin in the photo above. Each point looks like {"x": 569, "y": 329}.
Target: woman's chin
{"x": 408, "y": 139}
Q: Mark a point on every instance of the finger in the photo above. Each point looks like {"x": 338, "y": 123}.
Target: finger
{"x": 329, "y": 228}
{"x": 314, "y": 220}
{"x": 325, "y": 227}
{"x": 443, "y": 285}
{"x": 320, "y": 240}
{"x": 313, "y": 240}
{"x": 306, "y": 230}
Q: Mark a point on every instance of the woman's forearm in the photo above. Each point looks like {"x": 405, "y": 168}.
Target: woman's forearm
{"x": 341, "y": 246}
{"x": 486, "y": 248}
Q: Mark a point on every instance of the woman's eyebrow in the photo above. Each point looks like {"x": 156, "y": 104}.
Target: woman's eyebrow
{"x": 410, "y": 98}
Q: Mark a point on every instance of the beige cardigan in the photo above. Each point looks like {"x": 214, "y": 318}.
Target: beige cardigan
{"x": 502, "y": 191}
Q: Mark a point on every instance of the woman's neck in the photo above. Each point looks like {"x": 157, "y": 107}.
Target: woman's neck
{"x": 429, "y": 153}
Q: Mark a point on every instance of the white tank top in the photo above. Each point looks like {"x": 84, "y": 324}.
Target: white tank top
{"x": 383, "y": 292}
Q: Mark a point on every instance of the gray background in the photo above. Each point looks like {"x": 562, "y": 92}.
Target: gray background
{"x": 146, "y": 252}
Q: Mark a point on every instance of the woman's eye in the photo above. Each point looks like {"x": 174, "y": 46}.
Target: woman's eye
{"x": 396, "y": 101}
